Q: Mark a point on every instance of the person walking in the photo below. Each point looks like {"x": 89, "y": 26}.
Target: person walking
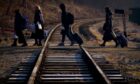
{"x": 39, "y": 26}
{"x": 19, "y": 26}
{"x": 67, "y": 20}
{"x": 107, "y": 28}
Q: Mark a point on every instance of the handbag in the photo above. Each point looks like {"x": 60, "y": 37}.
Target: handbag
{"x": 39, "y": 26}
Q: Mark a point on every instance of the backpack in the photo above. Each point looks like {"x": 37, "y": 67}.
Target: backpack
{"x": 122, "y": 40}
{"x": 70, "y": 18}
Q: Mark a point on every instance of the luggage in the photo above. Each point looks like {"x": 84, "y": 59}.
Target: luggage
{"x": 122, "y": 40}
{"x": 77, "y": 39}
{"x": 39, "y": 26}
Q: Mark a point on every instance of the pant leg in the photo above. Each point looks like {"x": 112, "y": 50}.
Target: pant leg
{"x": 63, "y": 33}
{"x": 70, "y": 36}
{"x": 21, "y": 37}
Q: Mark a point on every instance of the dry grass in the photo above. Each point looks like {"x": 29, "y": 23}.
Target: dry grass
{"x": 50, "y": 10}
{"x": 125, "y": 59}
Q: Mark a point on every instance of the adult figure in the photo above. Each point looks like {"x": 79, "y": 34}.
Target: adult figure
{"x": 108, "y": 31}
{"x": 39, "y": 26}
{"x": 19, "y": 25}
{"x": 66, "y": 20}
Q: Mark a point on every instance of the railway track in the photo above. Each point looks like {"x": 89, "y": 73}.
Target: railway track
{"x": 58, "y": 65}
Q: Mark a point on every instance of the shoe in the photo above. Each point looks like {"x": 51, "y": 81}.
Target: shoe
{"x": 13, "y": 45}
{"x": 72, "y": 43}
{"x": 35, "y": 44}
{"x": 24, "y": 45}
{"x": 61, "y": 44}
{"x": 39, "y": 44}
{"x": 116, "y": 45}
{"x": 102, "y": 45}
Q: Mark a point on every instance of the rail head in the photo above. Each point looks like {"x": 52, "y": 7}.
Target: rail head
{"x": 105, "y": 79}
{"x": 40, "y": 58}
{"x": 99, "y": 70}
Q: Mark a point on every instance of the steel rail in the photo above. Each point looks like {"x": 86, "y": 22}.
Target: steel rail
{"x": 38, "y": 63}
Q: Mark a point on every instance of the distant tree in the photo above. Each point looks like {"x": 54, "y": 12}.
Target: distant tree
{"x": 9, "y": 6}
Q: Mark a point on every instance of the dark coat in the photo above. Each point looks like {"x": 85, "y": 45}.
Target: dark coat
{"x": 39, "y": 34}
{"x": 18, "y": 21}
{"x": 109, "y": 18}
{"x": 108, "y": 33}
{"x": 64, "y": 20}
{"x": 18, "y": 25}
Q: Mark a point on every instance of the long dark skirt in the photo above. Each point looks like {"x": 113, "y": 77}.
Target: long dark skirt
{"x": 21, "y": 38}
{"x": 108, "y": 36}
{"x": 39, "y": 34}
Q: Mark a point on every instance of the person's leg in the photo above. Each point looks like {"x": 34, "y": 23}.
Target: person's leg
{"x": 70, "y": 37}
{"x": 116, "y": 42}
{"x": 63, "y": 38}
{"x": 62, "y": 41}
{"x": 36, "y": 36}
{"x": 33, "y": 35}
{"x": 103, "y": 44}
{"x": 105, "y": 37}
{"x": 23, "y": 39}
{"x": 14, "y": 42}
{"x": 40, "y": 44}
{"x": 24, "y": 42}
{"x": 36, "y": 43}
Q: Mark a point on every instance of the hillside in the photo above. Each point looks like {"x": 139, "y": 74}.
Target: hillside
{"x": 50, "y": 10}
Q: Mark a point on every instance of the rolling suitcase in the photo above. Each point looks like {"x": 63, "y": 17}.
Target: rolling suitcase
{"x": 77, "y": 39}
{"x": 122, "y": 40}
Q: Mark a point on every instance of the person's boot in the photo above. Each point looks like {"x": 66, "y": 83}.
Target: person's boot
{"x": 61, "y": 44}
{"x": 14, "y": 43}
{"x": 36, "y": 43}
{"x": 24, "y": 44}
{"x": 72, "y": 43}
{"x": 117, "y": 43}
{"x": 40, "y": 44}
{"x": 102, "y": 45}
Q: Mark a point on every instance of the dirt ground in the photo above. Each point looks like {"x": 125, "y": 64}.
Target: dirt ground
{"x": 11, "y": 57}
{"x": 125, "y": 59}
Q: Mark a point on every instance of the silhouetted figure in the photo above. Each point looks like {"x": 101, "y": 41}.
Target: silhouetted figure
{"x": 108, "y": 32}
{"x": 66, "y": 19}
{"x": 19, "y": 25}
{"x": 39, "y": 26}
